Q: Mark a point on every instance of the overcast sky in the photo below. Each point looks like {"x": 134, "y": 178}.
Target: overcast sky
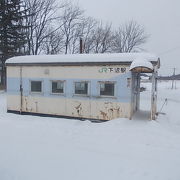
{"x": 161, "y": 19}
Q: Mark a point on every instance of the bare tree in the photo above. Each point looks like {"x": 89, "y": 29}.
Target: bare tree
{"x": 102, "y": 38}
{"x": 41, "y": 14}
{"x": 98, "y": 38}
{"x": 71, "y": 19}
{"x": 88, "y": 28}
{"x": 54, "y": 43}
{"x": 129, "y": 37}
{"x": 51, "y": 33}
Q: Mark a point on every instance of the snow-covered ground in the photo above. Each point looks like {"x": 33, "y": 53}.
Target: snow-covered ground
{"x": 39, "y": 148}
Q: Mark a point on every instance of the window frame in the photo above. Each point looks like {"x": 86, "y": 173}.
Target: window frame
{"x": 88, "y": 88}
{"x": 107, "y": 82}
{"x": 53, "y": 93}
{"x": 36, "y": 80}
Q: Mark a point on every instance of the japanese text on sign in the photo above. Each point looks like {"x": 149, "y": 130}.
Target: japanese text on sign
{"x": 112, "y": 70}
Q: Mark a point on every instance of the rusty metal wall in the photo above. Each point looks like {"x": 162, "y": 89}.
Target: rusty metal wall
{"x": 92, "y": 106}
{"x": 70, "y": 107}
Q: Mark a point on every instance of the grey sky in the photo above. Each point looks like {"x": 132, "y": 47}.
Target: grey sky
{"x": 161, "y": 19}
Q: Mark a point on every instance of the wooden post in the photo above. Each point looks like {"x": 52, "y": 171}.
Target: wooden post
{"x": 154, "y": 95}
{"x": 138, "y": 92}
{"x": 132, "y": 94}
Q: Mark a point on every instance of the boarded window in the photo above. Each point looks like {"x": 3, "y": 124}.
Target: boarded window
{"x": 57, "y": 87}
{"x": 81, "y": 88}
{"x": 36, "y": 86}
{"x": 107, "y": 88}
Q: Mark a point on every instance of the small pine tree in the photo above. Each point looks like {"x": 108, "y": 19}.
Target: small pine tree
{"x": 12, "y": 31}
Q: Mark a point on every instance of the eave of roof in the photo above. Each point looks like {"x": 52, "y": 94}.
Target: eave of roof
{"x": 69, "y": 63}
{"x": 79, "y": 59}
{"x": 128, "y": 63}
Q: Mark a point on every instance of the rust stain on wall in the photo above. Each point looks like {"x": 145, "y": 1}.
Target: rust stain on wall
{"x": 79, "y": 109}
{"x": 36, "y": 106}
{"x": 105, "y": 117}
{"x": 28, "y": 109}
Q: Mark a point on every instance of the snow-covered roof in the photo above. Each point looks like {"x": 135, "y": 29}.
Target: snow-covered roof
{"x": 141, "y": 62}
{"x": 81, "y": 58}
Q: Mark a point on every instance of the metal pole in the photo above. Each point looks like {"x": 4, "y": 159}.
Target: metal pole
{"x": 21, "y": 90}
{"x": 174, "y": 72}
{"x": 81, "y": 46}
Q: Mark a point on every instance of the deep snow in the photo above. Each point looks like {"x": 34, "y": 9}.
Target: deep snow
{"x": 70, "y": 58}
{"x": 141, "y": 62}
{"x": 39, "y": 148}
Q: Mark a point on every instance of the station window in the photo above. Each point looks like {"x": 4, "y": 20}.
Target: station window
{"x": 57, "y": 87}
{"x": 36, "y": 86}
{"x": 107, "y": 88}
{"x": 81, "y": 88}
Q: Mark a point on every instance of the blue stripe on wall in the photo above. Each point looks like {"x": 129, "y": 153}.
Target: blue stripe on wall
{"x": 122, "y": 93}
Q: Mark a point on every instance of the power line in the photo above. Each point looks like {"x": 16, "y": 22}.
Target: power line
{"x": 169, "y": 50}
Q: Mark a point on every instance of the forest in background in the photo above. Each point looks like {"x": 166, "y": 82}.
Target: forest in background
{"x": 32, "y": 27}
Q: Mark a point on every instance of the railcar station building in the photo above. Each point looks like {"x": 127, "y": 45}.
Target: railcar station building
{"x": 92, "y": 86}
